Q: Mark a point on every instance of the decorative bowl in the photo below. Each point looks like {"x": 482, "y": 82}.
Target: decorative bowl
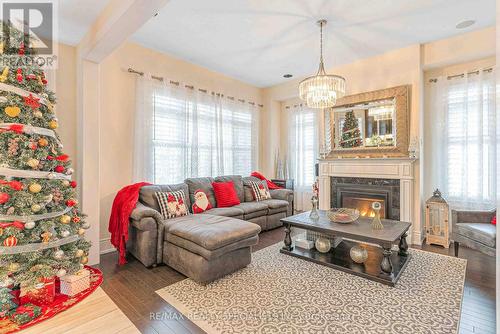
{"x": 343, "y": 215}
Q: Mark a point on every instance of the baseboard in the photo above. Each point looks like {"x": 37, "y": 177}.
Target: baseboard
{"x": 106, "y": 246}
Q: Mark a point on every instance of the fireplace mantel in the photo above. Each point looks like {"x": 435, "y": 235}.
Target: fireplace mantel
{"x": 385, "y": 168}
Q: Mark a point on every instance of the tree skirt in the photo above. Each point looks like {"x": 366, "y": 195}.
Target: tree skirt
{"x": 61, "y": 303}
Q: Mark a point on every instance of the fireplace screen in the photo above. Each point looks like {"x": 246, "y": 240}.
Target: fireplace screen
{"x": 363, "y": 204}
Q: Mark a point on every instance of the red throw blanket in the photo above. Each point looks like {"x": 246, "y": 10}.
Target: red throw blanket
{"x": 123, "y": 205}
{"x": 270, "y": 184}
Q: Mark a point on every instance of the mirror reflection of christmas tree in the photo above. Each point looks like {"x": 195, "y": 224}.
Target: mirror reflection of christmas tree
{"x": 351, "y": 136}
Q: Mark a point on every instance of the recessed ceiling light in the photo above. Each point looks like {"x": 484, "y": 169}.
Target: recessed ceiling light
{"x": 287, "y": 76}
{"x": 465, "y": 24}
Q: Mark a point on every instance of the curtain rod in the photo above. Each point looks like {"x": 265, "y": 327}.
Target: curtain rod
{"x": 177, "y": 83}
{"x": 449, "y": 77}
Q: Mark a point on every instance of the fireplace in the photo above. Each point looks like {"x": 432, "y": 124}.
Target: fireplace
{"x": 360, "y": 193}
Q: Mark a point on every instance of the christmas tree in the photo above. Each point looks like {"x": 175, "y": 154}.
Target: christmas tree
{"x": 41, "y": 228}
{"x": 351, "y": 136}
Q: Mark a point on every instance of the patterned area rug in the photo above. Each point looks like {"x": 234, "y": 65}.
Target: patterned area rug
{"x": 278, "y": 293}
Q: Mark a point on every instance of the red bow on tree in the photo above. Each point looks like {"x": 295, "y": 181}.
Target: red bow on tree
{"x": 17, "y": 128}
{"x": 16, "y": 224}
{"x": 32, "y": 102}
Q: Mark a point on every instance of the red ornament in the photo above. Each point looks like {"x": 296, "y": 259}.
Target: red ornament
{"x": 21, "y": 49}
{"x": 59, "y": 169}
{"x": 49, "y": 157}
{"x": 62, "y": 157}
{"x": 10, "y": 241}
{"x": 71, "y": 202}
{"x": 76, "y": 219}
{"x": 32, "y": 102}
{"x": 4, "y": 198}
{"x": 31, "y": 77}
{"x": 19, "y": 75}
{"x": 33, "y": 146}
{"x": 73, "y": 184}
{"x": 44, "y": 81}
{"x": 16, "y": 185}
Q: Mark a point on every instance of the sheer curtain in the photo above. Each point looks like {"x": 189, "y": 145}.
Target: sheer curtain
{"x": 466, "y": 139}
{"x": 183, "y": 132}
{"x": 303, "y": 152}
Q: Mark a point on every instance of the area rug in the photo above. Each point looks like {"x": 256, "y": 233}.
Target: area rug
{"x": 278, "y": 293}
{"x": 61, "y": 303}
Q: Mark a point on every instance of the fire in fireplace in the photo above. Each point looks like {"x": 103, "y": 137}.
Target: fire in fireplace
{"x": 360, "y": 193}
{"x": 363, "y": 204}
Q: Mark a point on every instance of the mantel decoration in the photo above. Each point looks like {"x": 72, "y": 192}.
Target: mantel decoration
{"x": 322, "y": 90}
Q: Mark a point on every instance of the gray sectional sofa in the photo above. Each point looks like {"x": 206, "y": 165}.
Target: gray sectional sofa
{"x": 204, "y": 246}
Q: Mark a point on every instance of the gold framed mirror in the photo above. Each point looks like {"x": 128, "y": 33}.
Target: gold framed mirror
{"x": 373, "y": 124}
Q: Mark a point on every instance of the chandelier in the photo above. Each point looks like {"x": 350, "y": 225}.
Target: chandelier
{"x": 322, "y": 90}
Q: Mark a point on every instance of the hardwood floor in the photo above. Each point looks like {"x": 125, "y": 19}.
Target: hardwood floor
{"x": 132, "y": 287}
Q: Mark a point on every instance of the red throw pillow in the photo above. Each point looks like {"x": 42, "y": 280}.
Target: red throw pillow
{"x": 494, "y": 219}
{"x": 225, "y": 194}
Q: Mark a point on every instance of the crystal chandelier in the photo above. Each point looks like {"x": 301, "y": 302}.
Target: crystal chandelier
{"x": 321, "y": 90}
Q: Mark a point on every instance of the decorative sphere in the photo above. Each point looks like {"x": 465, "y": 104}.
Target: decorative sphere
{"x": 36, "y": 207}
{"x": 53, "y": 124}
{"x": 70, "y": 171}
{"x": 43, "y": 142}
{"x": 13, "y": 267}
{"x": 33, "y": 163}
{"x": 12, "y": 111}
{"x": 65, "y": 183}
{"x": 79, "y": 253}
{"x": 58, "y": 254}
{"x": 38, "y": 114}
{"x": 65, "y": 233}
{"x": 35, "y": 188}
{"x": 29, "y": 225}
{"x": 65, "y": 219}
{"x": 323, "y": 245}
{"x": 61, "y": 273}
{"x": 84, "y": 260}
{"x": 358, "y": 254}
{"x": 81, "y": 231}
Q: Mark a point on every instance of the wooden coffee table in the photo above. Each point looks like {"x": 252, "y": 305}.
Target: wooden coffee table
{"x": 383, "y": 264}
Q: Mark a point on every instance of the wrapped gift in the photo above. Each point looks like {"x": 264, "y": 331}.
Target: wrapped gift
{"x": 41, "y": 294}
{"x": 9, "y": 299}
{"x": 25, "y": 313}
{"x": 73, "y": 284}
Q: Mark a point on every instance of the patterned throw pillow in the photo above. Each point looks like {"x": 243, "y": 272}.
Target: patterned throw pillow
{"x": 201, "y": 202}
{"x": 260, "y": 190}
{"x": 172, "y": 204}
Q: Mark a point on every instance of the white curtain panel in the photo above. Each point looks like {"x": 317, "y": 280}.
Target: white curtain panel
{"x": 464, "y": 128}
{"x": 303, "y": 152}
{"x": 182, "y": 132}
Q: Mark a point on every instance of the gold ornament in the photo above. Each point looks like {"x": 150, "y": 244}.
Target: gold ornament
{"x": 43, "y": 142}
{"x": 81, "y": 231}
{"x": 36, "y": 207}
{"x": 35, "y": 188}
{"x": 79, "y": 253}
{"x": 50, "y": 106}
{"x": 65, "y": 183}
{"x": 12, "y": 111}
{"x": 46, "y": 237}
{"x": 33, "y": 163}
{"x": 13, "y": 267}
{"x": 53, "y": 124}
{"x": 84, "y": 260}
{"x": 38, "y": 114}
{"x": 5, "y": 74}
{"x": 65, "y": 219}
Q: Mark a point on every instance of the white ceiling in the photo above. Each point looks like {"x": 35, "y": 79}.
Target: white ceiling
{"x": 76, "y": 17}
{"x": 257, "y": 41}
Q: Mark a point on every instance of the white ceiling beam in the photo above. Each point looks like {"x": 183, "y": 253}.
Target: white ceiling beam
{"x": 116, "y": 23}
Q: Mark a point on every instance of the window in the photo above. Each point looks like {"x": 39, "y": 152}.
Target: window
{"x": 462, "y": 141}
{"x": 470, "y": 138}
{"x": 195, "y": 134}
{"x": 303, "y": 152}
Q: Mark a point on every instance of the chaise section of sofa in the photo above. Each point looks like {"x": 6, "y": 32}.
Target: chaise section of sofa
{"x": 148, "y": 230}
